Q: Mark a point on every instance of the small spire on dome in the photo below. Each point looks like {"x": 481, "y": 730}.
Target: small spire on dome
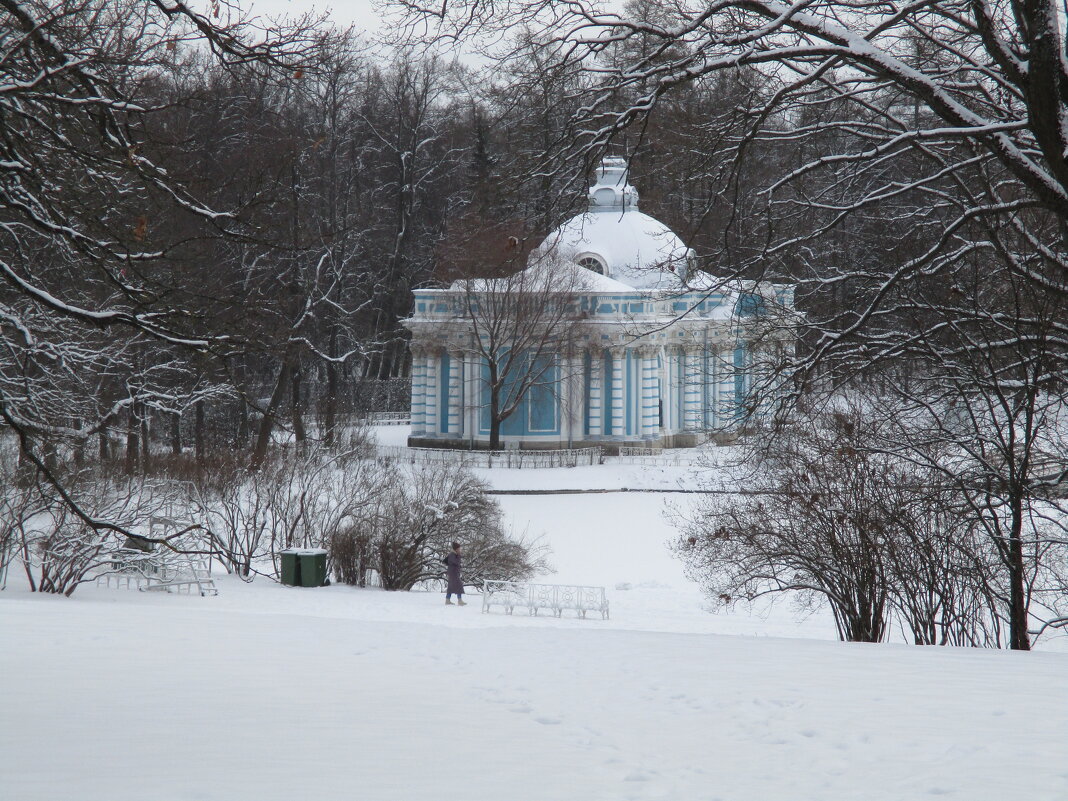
{"x": 610, "y": 190}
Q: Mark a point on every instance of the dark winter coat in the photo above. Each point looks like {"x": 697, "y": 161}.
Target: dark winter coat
{"x": 453, "y": 563}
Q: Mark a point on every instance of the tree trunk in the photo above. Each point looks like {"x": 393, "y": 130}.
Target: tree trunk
{"x": 105, "y": 450}
{"x": 132, "y": 447}
{"x": 25, "y": 469}
{"x": 295, "y": 407}
{"x": 263, "y": 436}
{"x": 176, "y": 433}
{"x": 1018, "y": 637}
{"x": 79, "y": 446}
{"x": 242, "y": 423}
{"x": 330, "y": 410}
{"x": 495, "y": 418}
{"x": 198, "y": 431}
{"x": 146, "y": 454}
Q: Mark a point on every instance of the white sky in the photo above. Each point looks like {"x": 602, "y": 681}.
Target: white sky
{"x": 360, "y": 13}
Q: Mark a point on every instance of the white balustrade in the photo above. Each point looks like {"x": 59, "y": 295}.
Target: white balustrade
{"x": 570, "y": 457}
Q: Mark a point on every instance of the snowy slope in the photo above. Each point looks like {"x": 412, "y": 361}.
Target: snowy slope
{"x": 121, "y": 696}
{"x": 270, "y": 692}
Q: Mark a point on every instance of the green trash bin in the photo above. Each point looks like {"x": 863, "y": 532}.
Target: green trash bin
{"x": 290, "y": 567}
{"x": 313, "y": 567}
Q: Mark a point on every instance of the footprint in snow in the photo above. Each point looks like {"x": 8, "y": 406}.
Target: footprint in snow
{"x": 548, "y": 721}
{"x": 521, "y": 709}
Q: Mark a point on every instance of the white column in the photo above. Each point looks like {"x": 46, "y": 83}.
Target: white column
{"x": 671, "y": 388}
{"x": 569, "y": 372}
{"x": 472, "y": 395}
{"x": 693, "y": 384}
{"x": 757, "y": 375}
{"x": 455, "y": 397}
{"x": 431, "y": 393}
{"x": 713, "y": 411}
{"x": 670, "y": 373}
{"x": 596, "y": 398}
{"x": 418, "y": 409}
{"x": 726, "y": 407}
{"x": 650, "y": 405}
{"x": 618, "y": 418}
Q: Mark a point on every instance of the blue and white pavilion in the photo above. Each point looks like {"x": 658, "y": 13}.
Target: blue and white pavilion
{"x": 667, "y": 355}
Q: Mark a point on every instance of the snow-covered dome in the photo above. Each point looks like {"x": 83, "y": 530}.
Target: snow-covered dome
{"x": 615, "y": 239}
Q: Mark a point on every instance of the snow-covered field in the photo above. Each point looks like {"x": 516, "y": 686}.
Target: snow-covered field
{"x": 269, "y": 692}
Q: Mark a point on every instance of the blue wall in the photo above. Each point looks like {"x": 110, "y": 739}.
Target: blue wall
{"x": 538, "y": 412}
{"x": 443, "y": 393}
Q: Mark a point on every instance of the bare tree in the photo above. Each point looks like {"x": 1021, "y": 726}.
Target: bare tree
{"x": 986, "y": 384}
{"x": 904, "y": 142}
{"x": 296, "y": 498}
{"x": 60, "y": 551}
{"x": 86, "y": 262}
{"x": 816, "y": 525}
{"x": 843, "y": 506}
{"x": 916, "y": 170}
{"x": 518, "y": 315}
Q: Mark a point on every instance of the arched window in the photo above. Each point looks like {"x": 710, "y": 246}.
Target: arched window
{"x": 592, "y": 263}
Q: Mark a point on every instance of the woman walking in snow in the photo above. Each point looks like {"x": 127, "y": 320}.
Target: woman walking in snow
{"x": 453, "y": 563}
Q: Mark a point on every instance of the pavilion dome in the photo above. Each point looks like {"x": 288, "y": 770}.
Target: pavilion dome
{"x": 616, "y": 240}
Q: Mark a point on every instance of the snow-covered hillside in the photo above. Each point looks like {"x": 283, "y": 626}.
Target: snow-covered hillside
{"x": 269, "y": 692}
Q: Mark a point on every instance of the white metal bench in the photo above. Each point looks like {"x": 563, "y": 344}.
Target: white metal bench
{"x": 554, "y": 597}
{"x": 203, "y": 587}
{"x": 158, "y": 572}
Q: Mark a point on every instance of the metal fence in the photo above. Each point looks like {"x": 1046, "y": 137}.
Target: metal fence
{"x": 387, "y": 419}
{"x": 673, "y": 457}
{"x": 371, "y": 395}
{"x": 516, "y": 459}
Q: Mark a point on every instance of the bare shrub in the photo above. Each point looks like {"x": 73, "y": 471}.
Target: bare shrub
{"x": 20, "y": 503}
{"x": 350, "y": 554}
{"x": 59, "y": 549}
{"x": 296, "y": 498}
{"x": 416, "y": 515}
{"x": 829, "y": 517}
{"x": 368, "y": 514}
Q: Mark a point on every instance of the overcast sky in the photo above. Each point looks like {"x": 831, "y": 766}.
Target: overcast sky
{"x": 344, "y": 12}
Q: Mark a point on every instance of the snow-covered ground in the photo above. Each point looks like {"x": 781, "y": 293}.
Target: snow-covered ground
{"x": 269, "y": 692}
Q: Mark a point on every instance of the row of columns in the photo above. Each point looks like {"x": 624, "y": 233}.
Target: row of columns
{"x": 702, "y": 387}
{"x": 429, "y": 414}
{"x": 652, "y": 401}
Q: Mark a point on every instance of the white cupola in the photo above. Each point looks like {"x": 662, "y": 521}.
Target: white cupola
{"x": 610, "y": 190}
{"x": 616, "y": 240}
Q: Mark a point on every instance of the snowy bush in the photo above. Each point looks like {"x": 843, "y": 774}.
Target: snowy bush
{"x": 832, "y": 516}
{"x": 413, "y": 520}
{"x": 350, "y": 553}
{"x": 297, "y": 498}
{"x": 63, "y": 542}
